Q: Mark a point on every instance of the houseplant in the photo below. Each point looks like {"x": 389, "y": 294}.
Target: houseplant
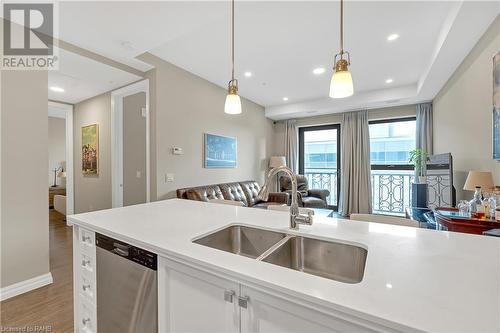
{"x": 418, "y": 157}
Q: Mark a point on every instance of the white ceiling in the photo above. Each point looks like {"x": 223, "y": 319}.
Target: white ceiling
{"x": 282, "y": 42}
{"x": 83, "y": 78}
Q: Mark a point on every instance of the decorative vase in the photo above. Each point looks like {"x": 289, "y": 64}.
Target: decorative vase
{"x": 422, "y": 180}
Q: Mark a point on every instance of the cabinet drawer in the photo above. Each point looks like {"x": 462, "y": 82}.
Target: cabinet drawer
{"x": 86, "y": 240}
{"x": 87, "y": 321}
{"x": 86, "y": 287}
{"x": 87, "y": 263}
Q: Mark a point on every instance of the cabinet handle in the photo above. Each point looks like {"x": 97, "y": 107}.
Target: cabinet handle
{"x": 243, "y": 301}
{"x": 228, "y": 295}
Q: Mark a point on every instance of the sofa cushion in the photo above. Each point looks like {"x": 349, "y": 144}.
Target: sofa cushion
{"x": 204, "y": 193}
{"x": 302, "y": 184}
{"x": 313, "y": 202}
{"x": 233, "y": 191}
{"x": 251, "y": 189}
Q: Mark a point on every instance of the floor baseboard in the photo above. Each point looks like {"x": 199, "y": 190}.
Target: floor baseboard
{"x": 25, "y": 286}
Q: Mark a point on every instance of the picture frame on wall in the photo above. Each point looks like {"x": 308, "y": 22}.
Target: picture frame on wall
{"x": 496, "y": 106}
{"x": 90, "y": 149}
{"x": 220, "y": 151}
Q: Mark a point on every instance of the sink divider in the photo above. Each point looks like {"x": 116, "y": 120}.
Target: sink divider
{"x": 274, "y": 247}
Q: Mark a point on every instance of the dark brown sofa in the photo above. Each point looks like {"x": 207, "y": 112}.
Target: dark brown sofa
{"x": 245, "y": 192}
{"x": 310, "y": 198}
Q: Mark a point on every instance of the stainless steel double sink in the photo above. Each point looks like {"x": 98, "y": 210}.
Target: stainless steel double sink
{"x": 331, "y": 260}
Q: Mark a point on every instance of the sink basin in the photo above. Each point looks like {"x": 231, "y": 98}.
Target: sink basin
{"x": 242, "y": 240}
{"x": 336, "y": 261}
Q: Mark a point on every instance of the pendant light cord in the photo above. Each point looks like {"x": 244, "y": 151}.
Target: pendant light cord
{"x": 341, "y": 26}
{"x": 232, "y": 40}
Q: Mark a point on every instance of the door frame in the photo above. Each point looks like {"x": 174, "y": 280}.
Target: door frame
{"x": 304, "y": 129}
{"x": 117, "y": 97}
{"x": 67, "y": 109}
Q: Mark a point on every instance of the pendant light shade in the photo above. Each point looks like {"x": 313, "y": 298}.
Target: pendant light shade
{"x": 233, "y": 101}
{"x": 341, "y": 85}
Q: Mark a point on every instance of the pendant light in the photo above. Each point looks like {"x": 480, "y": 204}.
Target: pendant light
{"x": 233, "y": 102}
{"x": 341, "y": 84}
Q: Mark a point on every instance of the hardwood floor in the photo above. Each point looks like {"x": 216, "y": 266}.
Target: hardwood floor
{"x": 50, "y": 306}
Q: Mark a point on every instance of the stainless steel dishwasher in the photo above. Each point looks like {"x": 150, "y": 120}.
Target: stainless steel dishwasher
{"x": 127, "y": 291}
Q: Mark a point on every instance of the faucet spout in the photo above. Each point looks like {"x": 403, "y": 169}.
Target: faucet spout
{"x": 295, "y": 217}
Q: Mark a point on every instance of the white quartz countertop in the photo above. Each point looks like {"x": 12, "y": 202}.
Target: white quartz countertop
{"x": 415, "y": 279}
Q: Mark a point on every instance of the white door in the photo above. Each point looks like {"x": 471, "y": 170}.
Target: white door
{"x": 194, "y": 301}
{"x": 266, "y": 313}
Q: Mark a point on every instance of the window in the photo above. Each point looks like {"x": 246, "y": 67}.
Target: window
{"x": 390, "y": 144}
{"x": 319, "y": 158}
{"x": 392, "y": 141}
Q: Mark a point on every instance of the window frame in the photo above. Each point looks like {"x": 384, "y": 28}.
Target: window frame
{"x": 302, "y": 131}
{"x": 391, "y": 166}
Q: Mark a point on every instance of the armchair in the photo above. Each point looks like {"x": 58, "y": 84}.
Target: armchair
{"x": 309, "y": 198}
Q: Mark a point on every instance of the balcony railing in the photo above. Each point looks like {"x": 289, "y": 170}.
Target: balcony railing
{"x": 391, "y": 189}
{"x": 324, "y": 179}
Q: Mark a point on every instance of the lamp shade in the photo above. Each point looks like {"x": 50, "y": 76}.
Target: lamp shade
{"x": 61, "y": 174}
{"x": 484, "y": 179}
{"x": 277, "y": 161}
{"x": 233, "y": 104}
{"x": 341, "y": 85}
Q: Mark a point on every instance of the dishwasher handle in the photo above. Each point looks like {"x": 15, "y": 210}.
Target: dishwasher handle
{"x": 120, "y": 249}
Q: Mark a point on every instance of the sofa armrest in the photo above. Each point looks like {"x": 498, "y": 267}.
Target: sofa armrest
{"x": 278, "y": 197}
{"x": 319, "y": 193}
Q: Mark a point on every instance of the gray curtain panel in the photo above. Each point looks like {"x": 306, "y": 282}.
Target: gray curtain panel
{"x": 355, "y": 188}
{"x": 291, "y": 145}
{"x": 424, "y": 137}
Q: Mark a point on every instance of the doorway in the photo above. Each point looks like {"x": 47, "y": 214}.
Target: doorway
{"x": 130, "y": 147}
{"x": 319, "y": 159}
{"x": 61, "y": 157}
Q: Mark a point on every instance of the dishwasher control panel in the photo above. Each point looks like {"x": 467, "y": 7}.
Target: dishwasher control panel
{"x": 135, "y": 254}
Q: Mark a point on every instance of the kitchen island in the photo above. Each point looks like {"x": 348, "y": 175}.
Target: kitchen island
{"x": 414, "y": 279}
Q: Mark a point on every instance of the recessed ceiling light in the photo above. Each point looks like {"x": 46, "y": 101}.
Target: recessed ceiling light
{"x": 285, "y": 99}
{"x": 57, "y": 89}
{"x": 319, "y": 70}
{"x": 392, "y": 37}
{"x": 248, "y": 74}
{"x": 389, "y": 81}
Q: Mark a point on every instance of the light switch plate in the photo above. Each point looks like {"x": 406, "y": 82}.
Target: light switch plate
{"x": 177, "y": 151}
{"x": 169, "y": 177}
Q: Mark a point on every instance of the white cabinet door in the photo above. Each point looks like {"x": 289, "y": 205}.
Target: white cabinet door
{"x": 266, "y": 313}
{"x": 194, "y": 301}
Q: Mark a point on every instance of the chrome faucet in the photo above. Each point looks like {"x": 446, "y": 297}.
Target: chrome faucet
{"x": 295, "y": 217}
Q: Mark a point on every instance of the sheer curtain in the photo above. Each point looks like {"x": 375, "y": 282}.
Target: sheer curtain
{"x": 424, "y": 127}
{"x": 291, "y": 145}
{"x": 355, "y": 189}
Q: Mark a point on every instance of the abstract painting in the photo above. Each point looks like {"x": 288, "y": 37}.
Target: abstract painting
{"x": 220, "y": 151}
{"x": 496, "y": 106}
{"x": 90, "y": 149}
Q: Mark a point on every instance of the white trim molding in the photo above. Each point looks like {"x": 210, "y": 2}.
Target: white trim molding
{"x": 25, "y": 286}
{"x": 117, "y": 140}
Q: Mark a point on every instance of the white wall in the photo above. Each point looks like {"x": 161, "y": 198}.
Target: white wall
{"x": 57, "y": 147}
{"x": 463, "y": 112}
{"x": 187, "y": 106}
{"x": 24, "y": 191}
{"x": 336, "y": 118}
{"x": 93, "y": 192}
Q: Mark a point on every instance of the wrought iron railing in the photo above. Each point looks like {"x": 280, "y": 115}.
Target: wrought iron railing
{"x": 391, "y": 189}
{"x": 324, "y": 179}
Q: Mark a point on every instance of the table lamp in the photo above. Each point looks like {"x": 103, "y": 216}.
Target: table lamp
{"x": 477, "y": 181}
{"x": 275, "y": 162}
